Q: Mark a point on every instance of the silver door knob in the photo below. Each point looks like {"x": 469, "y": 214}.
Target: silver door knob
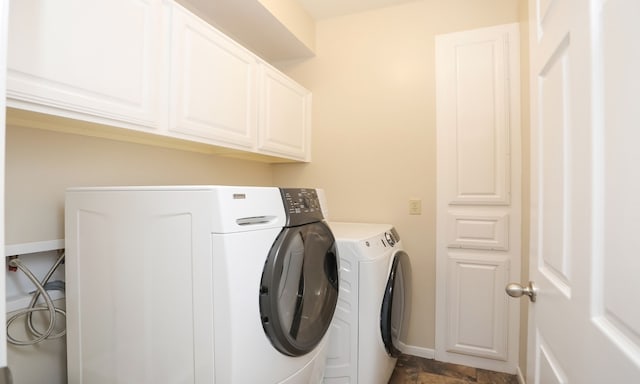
{"x": 517, "y": 290}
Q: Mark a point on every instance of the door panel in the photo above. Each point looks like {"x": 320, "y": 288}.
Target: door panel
{"x": 482, "y": 140}
{"x": 552, "y": 157}
{"x": 549, "y": 371}
{"x": 478, "y": 203}
{"x": 617, "y": 201}
{"x": 585, "y": 218}
{"x": 477, "y": 307}
{"x": 555, "y": 255}
{"x": 479, "y": 231}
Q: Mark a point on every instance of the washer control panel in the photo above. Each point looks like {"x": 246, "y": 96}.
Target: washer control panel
{"x": 301, "y": 205}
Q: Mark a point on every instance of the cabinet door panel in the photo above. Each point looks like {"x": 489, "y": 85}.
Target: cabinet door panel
{"x": 213, "y": 86}
{"x": 284, "y": 116}
{"x": 99, "y": 58}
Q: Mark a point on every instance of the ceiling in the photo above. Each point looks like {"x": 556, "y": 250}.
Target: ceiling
{"x": 325, "y": 9}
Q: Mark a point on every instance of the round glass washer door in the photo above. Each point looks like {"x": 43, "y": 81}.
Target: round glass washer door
{"x": 299, "y": 288}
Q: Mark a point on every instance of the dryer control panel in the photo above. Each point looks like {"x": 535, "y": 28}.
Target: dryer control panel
{"x": 387, "y": 239}
{"x": 301, "y": 205}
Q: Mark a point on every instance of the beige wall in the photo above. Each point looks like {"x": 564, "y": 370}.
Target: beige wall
{"x": 374, "y": 124}
{"x": 291, "y": 14}
{"x": 41, "y": 164}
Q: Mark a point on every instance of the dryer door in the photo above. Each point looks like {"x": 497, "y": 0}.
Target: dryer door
{"x": 395, "y": 304}
{"x": 299, "y": 288}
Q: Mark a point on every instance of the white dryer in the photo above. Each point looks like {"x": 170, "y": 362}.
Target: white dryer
{"x": 198, "y": 284}
{"x": 373, "y": 304}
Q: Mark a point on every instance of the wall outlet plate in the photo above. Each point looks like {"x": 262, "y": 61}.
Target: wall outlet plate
{"x": 415, "y": 207}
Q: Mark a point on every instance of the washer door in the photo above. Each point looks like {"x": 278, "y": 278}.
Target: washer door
{"x": 299, "y": 288}
{"x": 395, "y": 303}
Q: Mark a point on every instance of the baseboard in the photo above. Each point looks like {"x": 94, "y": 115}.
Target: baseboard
{"x": 426, "y": 353}
{"x": 520, "y": 376}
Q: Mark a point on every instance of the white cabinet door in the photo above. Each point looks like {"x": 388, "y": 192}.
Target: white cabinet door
{"x": 87, "y": 59}
{"x": 284, "y": 116}
{"x": 213, "y": 84}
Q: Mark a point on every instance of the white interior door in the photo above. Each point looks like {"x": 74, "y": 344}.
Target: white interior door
{"x": 478, "y": 203}
{"x": 585, "y": 325}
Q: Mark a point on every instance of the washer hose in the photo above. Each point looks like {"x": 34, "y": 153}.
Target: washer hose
{"x": 40, "y": 290}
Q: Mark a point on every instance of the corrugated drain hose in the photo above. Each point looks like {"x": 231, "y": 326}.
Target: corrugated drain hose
{"x": 40, "y": 290}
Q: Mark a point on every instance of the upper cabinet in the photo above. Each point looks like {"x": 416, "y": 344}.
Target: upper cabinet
{"x": 284, "y": 127}
{"x": 153, "y": 66}
{"x": 213, "y": 84}
{"x": 99, "y": 59}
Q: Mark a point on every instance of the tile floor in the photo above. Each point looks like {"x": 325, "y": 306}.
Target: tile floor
{"x": 416, "y": 370}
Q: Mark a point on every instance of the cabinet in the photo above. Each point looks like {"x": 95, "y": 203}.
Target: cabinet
{"x": 225, "y": 95}
{"x": 153, "y": 66}
{"x": 284, "y": 126}
{"x": 101, "y": 60}
{"x": 213, "y": 84}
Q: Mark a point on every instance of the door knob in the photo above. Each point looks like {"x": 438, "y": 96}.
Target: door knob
{"x": 517, "y": 290}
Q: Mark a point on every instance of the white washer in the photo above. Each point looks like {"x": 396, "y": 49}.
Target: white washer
{"x": 197, "y": 284}
{"x": 373, "y": 304}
